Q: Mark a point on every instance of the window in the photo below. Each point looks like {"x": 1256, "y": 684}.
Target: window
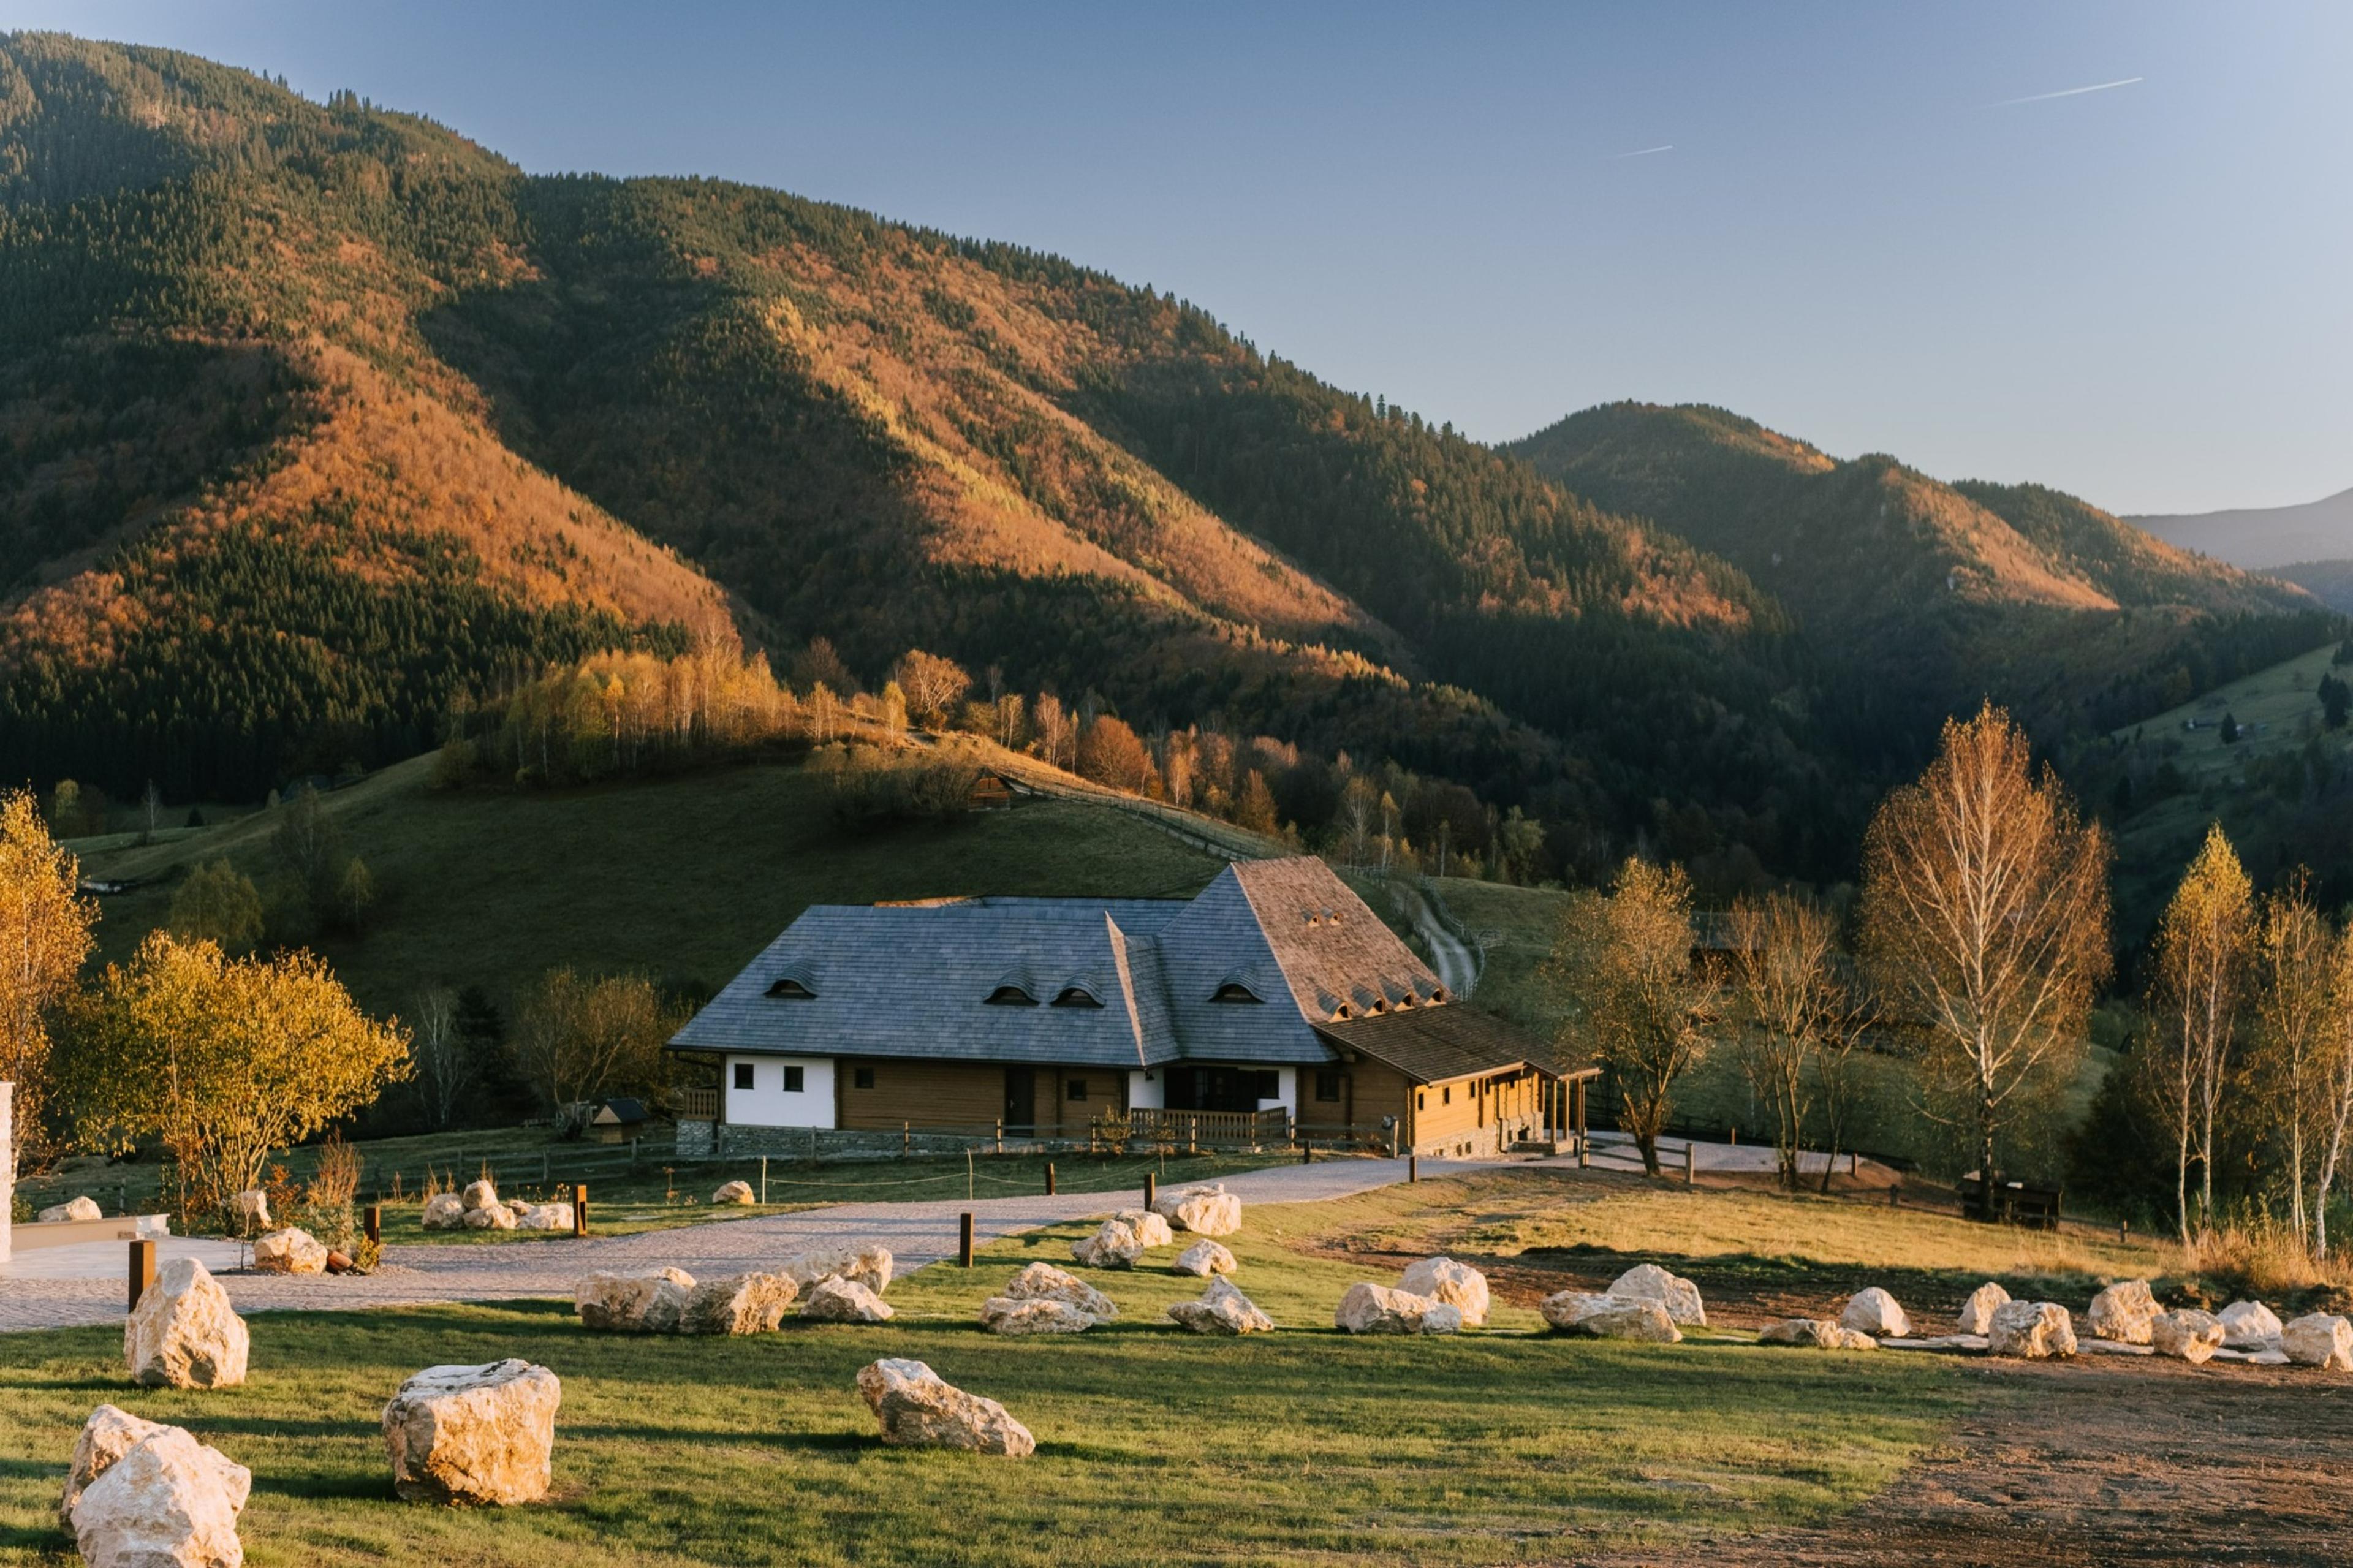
{"x": 1076, "y": 996}
{"x": 1233, "y": 991}
{"x": 1446, "y": 1095}
{"x": 1269, "y": 1085}
{"x": 793, "y": 1081}
{"x": 791, "y": 990}
{"x": 1328, "y": 1084}
{"x": 862, "y": 1078}
{"x": 1010, "y": 996}
{"x": 743, "y": 1075}
{"x": 1421, "y": 1100}
{"x": 1075, "y": 1090}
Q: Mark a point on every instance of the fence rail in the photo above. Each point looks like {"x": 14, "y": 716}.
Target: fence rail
{"x": 1235, "y": 1129}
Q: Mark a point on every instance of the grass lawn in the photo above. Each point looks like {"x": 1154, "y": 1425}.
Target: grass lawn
{"x": 1154, "y": 1446}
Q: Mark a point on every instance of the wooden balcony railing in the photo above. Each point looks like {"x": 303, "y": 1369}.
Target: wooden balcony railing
{"x": 695, "y": 1104}
{"x": 1195, "y": 1129}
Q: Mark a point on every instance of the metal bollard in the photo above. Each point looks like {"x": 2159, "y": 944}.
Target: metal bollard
{"x": 964, "y": 1239}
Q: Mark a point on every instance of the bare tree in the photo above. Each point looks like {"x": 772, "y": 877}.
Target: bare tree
{"x": 2337, "y": 1089}
{"x": 2202, "y": 950}
{"x": 1792, "y": 1006}
{"x": 1985, "y": 916}
{"x": 443, "y": 1067}
{"x": 2296, "y": 1010}
{"x": 933, "y": 685}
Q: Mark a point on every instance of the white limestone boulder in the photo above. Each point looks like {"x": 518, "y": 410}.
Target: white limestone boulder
{"x": 164, "y": 1501}
{"x": 543, "y": 1216}
{"x": 293, "y": 1250}
{"x": 480, "y": 1194}
{"x": 2319, "y": 1339}
{"x": 108, "y": 1433}
{"x": 1203, "y": 1210}
{"x": 484, "y": 1434}
{"x": 2249, "y": 1326}
{"x": 2032, "y": 1329}
{"x": 1874, "y": 1312}
{"x": 648, "y": 1301}
{"x": 917, "y": 1408}
{"x": 2123, "y": 1312}
{"x": 1044, "y": 1282}
{"x": 838, "y": 1300}
{"x": 72, "y": 1208}
{"x": 445, "y": 1211}
{"x": 1649, "y": 1282}
{"x": 1204, "y": 1258}
{"x": 1458, "y": 1285}
{"x": 1816, "y": 1334}
{"x": 250, "y": 1209}
{"x": 184, "y": 1333}
{"x": 1037, "y": 1315}
{"x": 867, "y": 1263}
{"x": 738, "y": 1304}
{"x": 1151, "y": 1229}
{"x": 736, "y": 1192}
{"x": 1611, "y": 1317}
{"x": 1222, "y": 1309}
{"x": 1977, "y": 1312}
{"x": 2185, "y": 1335}
{"x": 1369, "y": 1308}
{"x": 490, "y": 1217}
{"x": 1116, "y": 1244}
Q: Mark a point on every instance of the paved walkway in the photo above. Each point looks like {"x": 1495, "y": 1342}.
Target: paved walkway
{"x": 916, "y": 1232}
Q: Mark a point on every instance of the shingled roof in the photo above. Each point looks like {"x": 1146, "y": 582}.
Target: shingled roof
{"x": 1430, "y": 1044}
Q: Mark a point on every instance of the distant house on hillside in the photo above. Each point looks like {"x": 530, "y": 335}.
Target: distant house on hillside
{"x": 1272, "y": 995}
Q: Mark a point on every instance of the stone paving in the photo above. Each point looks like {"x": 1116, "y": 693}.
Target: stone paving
{"x": 916, "y": 1232}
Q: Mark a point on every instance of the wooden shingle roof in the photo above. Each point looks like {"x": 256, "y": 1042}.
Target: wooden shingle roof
{"x": 1430, "y": 1045}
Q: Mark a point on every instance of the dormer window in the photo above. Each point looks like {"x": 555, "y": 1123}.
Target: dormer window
{"x": 1010, "y": 996}
{"x": 1234, "y": 990}
{"x": 789, "y": 989}
{"x": 1076, "y": 996}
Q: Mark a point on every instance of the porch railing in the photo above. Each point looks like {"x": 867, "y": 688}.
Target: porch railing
{"x": 1195, "y": 1129}
{"x": 694, "y": 1104}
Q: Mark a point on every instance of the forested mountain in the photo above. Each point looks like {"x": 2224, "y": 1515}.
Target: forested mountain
{"x": 316, "y": 419}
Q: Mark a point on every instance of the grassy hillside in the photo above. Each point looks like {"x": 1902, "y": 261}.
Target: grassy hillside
{"x": 684, "y": 878}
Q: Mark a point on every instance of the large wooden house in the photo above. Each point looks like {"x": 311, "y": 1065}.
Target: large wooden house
{"x": 1273, "y": 1004}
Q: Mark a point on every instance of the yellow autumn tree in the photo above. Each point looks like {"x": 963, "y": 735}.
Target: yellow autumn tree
{"x": 2300, "y": 1024}
{"x": 45, "y": 926}
{"x": 223, "y": 1061}
{"x": 2204, "y": 945}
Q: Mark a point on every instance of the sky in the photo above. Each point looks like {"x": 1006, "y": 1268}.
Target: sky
{"x": 1889, "y": 228}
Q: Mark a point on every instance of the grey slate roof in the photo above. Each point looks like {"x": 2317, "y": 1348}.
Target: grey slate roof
{"x": 910, "y": 980}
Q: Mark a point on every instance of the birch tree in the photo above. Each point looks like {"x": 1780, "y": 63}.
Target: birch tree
{"x": 2204, "y": 945}
{"x": 1985, "y": 920}
{"x": 2298, "y": 1017}
{"x": 2335, "y": 1070}
{"x": 1792, "y": 1006}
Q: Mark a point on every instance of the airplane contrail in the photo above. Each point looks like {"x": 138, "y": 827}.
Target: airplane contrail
{"x": 1642, "y": 152}
{"x": 2065, "y": 92}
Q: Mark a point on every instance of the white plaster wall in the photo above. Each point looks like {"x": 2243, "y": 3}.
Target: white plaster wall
{"x": 766, "y": 1103}
{"x": 1144, "y": 1090}
{"x": 1286, "y": 1094}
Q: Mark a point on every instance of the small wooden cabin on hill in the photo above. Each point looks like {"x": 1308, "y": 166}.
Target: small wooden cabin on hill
{"x": 1274, "y": 995}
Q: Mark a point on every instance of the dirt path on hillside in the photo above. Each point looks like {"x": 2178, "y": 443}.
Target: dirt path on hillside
{"x": 2062, "y": 1465}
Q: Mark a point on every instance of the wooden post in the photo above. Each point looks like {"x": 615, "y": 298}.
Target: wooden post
{"x": 143, "y": 1271}
{"x": 1895, "y": 1195}
{"x": 1000, "y": 1135}
{"x": 1413, "y": 1167}
{"x": 1690, "y": 1162}
{"x": 964, "y": 1239}
{"x": 580, "y": 1209}
{"x": 633, "y": 1156}
{"x": 1307, "y": 1152}
{"x": 372, "y": 1222}
{"x": 543, "y": 1170}
{"x": 1151, "y": 1185}
{"x": 763, "y": 1181}
{"x": 1050, "y": 1178}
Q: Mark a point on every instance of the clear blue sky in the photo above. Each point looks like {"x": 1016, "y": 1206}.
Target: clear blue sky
{"x": 2143, "y": 294}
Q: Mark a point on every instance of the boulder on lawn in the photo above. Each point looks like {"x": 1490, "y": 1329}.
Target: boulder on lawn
{"x": 1818, "y": 1333}
{"x": 2033, "y": 1330}
{"x": 183, "y": 1333}
{"x": 917, "y": 1409}
{"x": 1150, "y": 1229}
{"x": 1115, "y": 1245}
{"x": 1204, "y": 1210}
{"x": 1458, "y": 1285}
{"x": 481, "y": 1194}
{"x": 865, "y": 1264}
{"x": 2319, "y": 1339}
{"x": 2124, "y": 1311}
{"x": 543, "y": 1216}
{"x": 1611, "y": 1317}
{"x": 1204, "y": 1258}
{"x": 164, "y": 1501}
{"x": 1874, "y": 1312}
{"x": 648, "y": 1302}
{"x": 1369, "y": 1308}
{"x": 493, "y": 1215}
{"x": 738, "y": 1304}
{"x": 72, "y": 1208}
{"x": 445, "y": 1211}
{"x": 1044, "y": 1282}
{"x": 473, "y": 1434}
{"x": 250, "y": 1209}
{"x": 2187, "y": 1335}
{"x": 736, "y": 1192}
{"x": 1649, "y": 1282}
{"x": 293, "y": 1250}
{"x": 111, "y": 1433}
{"x": 1977, "y": 1312}
{"x": 838, "y": 1300}
{"x": 1222, "y": 1309}
{"x": 1037, "y": 1315}
{"x": 2249, "y": 1326}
